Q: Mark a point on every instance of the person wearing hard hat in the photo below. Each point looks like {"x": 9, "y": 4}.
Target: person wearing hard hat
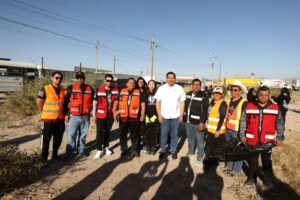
{"x": 216, "y": 127}
{"x": 236, "y": 105}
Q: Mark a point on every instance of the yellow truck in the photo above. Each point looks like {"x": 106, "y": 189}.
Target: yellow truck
{"x": 248, "y": 82}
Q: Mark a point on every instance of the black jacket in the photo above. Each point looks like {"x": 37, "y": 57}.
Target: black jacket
{"x": 198, "y": 107}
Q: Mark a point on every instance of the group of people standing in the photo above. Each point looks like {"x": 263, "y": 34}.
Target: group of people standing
{"x": 153, "y": 115}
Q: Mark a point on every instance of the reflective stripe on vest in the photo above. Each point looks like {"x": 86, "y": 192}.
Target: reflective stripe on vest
{"x": 129, "y": 107}
{"x": 195, "y": 117}
{"x": 267, "y": 131}
{"x": 81, "y": 102}
{"x": 103, "y": 110}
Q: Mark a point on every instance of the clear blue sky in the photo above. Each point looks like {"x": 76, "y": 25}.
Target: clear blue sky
{"x": 261, "y": 36}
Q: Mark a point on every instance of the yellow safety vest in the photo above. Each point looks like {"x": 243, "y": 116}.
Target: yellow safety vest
{"x": 214, "y": 118}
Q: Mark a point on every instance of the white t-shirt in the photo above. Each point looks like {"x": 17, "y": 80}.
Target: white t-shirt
{"x": 170, "y": 96}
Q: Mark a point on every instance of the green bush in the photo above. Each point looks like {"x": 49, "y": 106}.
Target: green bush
{"x": 24, "y": 102}
{"x": 16, "y": 166}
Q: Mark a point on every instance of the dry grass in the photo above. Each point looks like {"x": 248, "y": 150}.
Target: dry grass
{"x": 286, "y": 160}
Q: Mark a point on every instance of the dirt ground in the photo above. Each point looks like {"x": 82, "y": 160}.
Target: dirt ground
{"x": 146, "y": 177}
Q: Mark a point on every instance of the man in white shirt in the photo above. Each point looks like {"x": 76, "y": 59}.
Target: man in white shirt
{"x": 170, "y": 99}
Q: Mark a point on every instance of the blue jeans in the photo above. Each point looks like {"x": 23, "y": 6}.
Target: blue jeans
{"x": 193, "y": 136}
{"x": 77, "y": 124}
{"x": 169, "y": 126}
{"x": 236, "y": 165}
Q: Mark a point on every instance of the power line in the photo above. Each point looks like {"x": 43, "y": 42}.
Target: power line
{"x": 47, "y": 31}
{"x": 86, "y": 42}
{"x": 83, "y": 22}
{"x": 72, "y": 20}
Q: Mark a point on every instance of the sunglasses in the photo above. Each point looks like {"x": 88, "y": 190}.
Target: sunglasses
{"x": 79, "y": 77}
{"x": 109, "y": 81}
{"x": 58, "y": 78}
{"x": 234, "y": 90}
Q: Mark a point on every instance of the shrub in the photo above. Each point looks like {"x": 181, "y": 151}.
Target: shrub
{"x": 17, "y": 166}
{"x": 24, "y": 102}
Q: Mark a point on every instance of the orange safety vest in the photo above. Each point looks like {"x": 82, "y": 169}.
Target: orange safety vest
{"x": 233, "y": 121}
{"x": 81, "y": 103}
{"x": 53, "y": 106}
{"x": 214, "y": 118}
{"x": 129, "y": 105}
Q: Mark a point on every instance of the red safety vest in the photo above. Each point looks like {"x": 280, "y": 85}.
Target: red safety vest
{"x": 267, "y": 131}
{"x": 129, "y": 108}
{"x": 102, "y": 110}
{"x": 81, "y": 103}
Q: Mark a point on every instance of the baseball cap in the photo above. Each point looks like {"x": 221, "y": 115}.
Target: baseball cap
{"x": 218, "y": 90}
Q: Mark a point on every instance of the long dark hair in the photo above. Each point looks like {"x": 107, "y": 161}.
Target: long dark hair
{"x": 147, "y": 91}
{"x": 144, "y": 86}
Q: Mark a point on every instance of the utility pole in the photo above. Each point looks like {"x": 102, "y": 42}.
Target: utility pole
{"x": 114, "y": 64}
{"x": 80, "y": 67}
{"x": 97, "y": 55}
{"x": 219, "y": 82}
{"x": 42, "y": 70}
{"x": 152, "y": 63}
{"x": 213, "y": 57}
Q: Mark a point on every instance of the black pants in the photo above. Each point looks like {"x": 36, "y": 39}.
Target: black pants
{"x": 213, "y": 146}
{"x": 103, "y": 132}
{"x": 253, "y": 163}
{"x": 56, "y": 129}
{"x": 151, "y": 132}
{"x": 134, "y": 135}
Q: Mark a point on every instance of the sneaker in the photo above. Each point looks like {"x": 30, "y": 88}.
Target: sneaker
{"x": 174, "y": 156}
{"x": 199, "y": 161}
{"x": 123, "y": 154}
{"x": 107, "y": 151}
{"x": 249, "y": 182}
{"x": 98, "y": 155}
{"x": 162, "y": 155}
{"x": 234, "y": 173}
{"x": 134, "y": 154}
{"x": 189, "y": 155}
{"x": 226, "y": 171}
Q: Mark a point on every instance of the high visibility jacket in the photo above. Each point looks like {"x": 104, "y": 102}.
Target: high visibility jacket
{"x": 195, "y": 106}
{"x": 214, "y": 118}
{"x": 53, "y": 106}
{"x": 103, "y": 110}
{"x": 233, "y": 120}
{"x": 129, "y": 105}
{"x": 81, "y": 103}
{"x": 261, "y": 123}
